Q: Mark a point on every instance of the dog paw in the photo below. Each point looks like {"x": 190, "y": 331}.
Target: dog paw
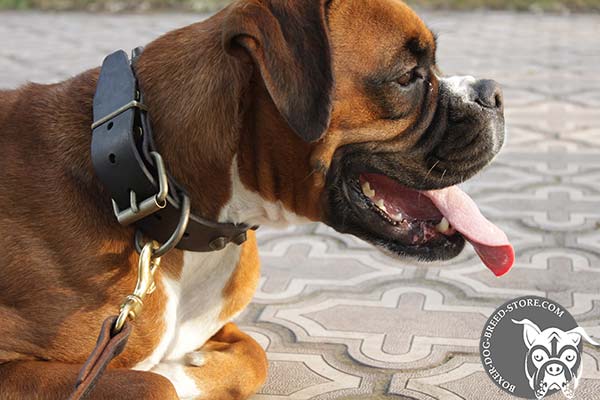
{"x": 195, "y": 358}
{"x": 542, "y": 390}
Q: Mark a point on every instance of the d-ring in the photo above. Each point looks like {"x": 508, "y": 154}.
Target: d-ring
{"x": 177, "y": 235}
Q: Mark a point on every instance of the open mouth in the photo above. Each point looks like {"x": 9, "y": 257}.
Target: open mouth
{"x": 428, "y": 222}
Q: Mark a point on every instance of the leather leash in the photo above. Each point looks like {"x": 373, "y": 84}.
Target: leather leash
{"x": 107, "y": 348}
{"x": 145, "y": 195}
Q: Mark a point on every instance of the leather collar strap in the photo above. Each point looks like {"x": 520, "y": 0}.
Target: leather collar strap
{"x": 125, "y": 160}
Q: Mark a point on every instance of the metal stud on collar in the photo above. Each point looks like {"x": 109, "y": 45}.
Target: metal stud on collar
{"x": 218, "y": 244}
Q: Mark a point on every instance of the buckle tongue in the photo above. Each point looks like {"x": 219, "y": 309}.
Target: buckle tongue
{"x": 149, "y": 206}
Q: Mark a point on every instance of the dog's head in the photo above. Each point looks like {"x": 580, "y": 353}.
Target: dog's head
{"x": 353, "y": 125}
{"x": 553, "y": 360}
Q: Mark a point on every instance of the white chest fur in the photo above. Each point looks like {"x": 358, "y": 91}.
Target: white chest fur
{"x": 246, "y": 206}
{"x": 195, "y": 301}
{"x": 194, "y": 304}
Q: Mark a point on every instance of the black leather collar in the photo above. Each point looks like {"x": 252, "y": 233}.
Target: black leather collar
{"x": 125, "y": 161}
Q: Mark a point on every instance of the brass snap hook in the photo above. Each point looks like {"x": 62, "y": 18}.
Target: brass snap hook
{"x": 133, "y": 304}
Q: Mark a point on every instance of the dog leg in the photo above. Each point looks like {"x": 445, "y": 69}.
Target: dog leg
{"x": 230, "y": 366}
{"x": 40, "y": 380}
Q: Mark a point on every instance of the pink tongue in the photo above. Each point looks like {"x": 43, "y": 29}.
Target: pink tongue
{"x": 489, "y": 241}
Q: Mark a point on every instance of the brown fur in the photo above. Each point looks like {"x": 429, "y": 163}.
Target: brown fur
{"x": 242, "y": 284}
{"x": 69, "y": 265}
{"x": 40, "y": 380}
{"x": 236, "y": 363}
{"x": 256, "y": 81}
{"x": 232, "y": 357}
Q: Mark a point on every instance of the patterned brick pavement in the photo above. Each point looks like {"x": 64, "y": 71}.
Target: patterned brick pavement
{"x": 342, "y": 321}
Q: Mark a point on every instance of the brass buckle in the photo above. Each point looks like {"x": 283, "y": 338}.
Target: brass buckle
{"x": 133, "y": 304}
{"x": 149, "y": 206}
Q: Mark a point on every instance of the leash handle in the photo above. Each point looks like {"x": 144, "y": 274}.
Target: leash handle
{"x": 108, "y": 346}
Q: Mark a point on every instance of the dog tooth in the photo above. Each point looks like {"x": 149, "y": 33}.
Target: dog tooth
{"x": 380, "y": 203}
{"x": 398, "y": 217}
{"x": 443, "y": 226}
{"x": 366, "y": 188}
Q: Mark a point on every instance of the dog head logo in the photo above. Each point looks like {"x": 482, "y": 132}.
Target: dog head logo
{"x": 553, "y": 360}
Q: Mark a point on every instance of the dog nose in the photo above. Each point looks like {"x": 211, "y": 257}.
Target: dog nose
{"x": 554, "y": 369}
{"x": 488, "y": 94}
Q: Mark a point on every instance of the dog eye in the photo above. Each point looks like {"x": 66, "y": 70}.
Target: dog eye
{"x": 570, "y": 355}
{"x": 538, "y": 355}
{"x": 410, "y": 77}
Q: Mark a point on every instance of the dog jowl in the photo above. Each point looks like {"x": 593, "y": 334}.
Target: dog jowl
{"x": 553, "y": 360}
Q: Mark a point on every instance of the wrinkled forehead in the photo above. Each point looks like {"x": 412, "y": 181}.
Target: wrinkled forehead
{"x": 370, "y": 33}
{"x": 553, "y": 336}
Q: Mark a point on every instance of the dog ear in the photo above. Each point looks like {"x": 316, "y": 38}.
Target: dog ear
{"x": 289, "y": 43}
{"x": 576, "y": 334}
{"x": 530, "y": 331}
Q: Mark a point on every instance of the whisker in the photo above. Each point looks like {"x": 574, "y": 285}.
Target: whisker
{"x": 443, "y": 174}
{"x": 431, "y": 170}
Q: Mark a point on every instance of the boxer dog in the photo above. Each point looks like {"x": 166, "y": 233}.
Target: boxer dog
{"x": 553, "y": 360}
{"x": 270, "y": 112}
